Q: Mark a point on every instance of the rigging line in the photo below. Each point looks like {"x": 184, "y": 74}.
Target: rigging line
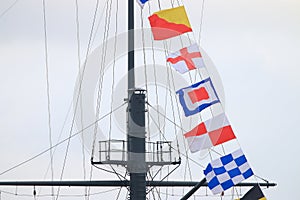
{"x": 126, "y": 196}
{"x": 154, "y": 73}
{"x": 184, "y": 155}
{"x": 157, "y": 191}
{"x": 166, "y": 97}
{"x": 165, "y": 176}
{"x": 146, "y": 78}
{"x": 172, "y": 3}
{"x": 168, "y": 91}
{"x": 62, "y": 195}
{"x": 153, "y": 177}
{"x": 173, "y": 110}
{"x": 48, "y": 90}
{"x": 80, "y": 98}
{"x": 159, "y": 5}
{"x": 119, "y": 192}
{"x": 113, "y": 70}
{"x": 261, "y": 178}
{"x": 191, "y": 79}
{"x": 100, "y": 19}
{"x": 60, "y": 134}
{"x": 156, "y": 94}
{"x": 8, "y": 9}
{"x": 167, "y": 188}
{"x": 201, "y": 21}
{"x": 61, "y": 142}
{"x": 112, "y": 172}
{"x": 106, "y": 7}
{"x": 165, "y": 51}
{"x": 118, "y": 174}
{"x": 153, "y": 195}
{"x": 170, "y": 146}
{"x": 185, "y": 148}
{"x": 90, "y": 178}
{"x": 86, "y": 58}
{"x": 201, "y": 195}
{"x": 210, "y": 108}
{"x": 99, "y": 92}
{"x": 178, "y": 126}
{"x": 155, "y": 76}
{"x": 145, "y": 72}
{"x": 178, "y": 2}
{"x": 79, "y": 90}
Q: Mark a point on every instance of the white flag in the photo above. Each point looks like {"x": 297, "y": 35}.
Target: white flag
{"x": 186, "y": 59}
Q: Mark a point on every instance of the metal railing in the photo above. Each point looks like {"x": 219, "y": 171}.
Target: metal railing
{"x": 116, "y": 150}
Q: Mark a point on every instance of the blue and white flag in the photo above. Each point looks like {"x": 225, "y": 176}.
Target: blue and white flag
{"x": 197, "y": 97}
{"x": 227, "y": 171}
{"x": 142, "y": 2}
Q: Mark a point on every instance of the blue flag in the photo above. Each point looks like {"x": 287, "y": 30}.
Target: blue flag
{"x": 197, "y": 97}
{"x": 227, "y": 171}
{"x": 142, "y": 2}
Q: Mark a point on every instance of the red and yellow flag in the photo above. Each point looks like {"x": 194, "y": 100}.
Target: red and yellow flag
{"x": 169, "y": 23}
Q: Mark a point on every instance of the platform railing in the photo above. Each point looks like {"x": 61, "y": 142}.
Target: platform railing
{"x": 115, "y": 152}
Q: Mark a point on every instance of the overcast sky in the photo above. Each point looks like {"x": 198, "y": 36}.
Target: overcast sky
{"x": 253, "y": 44}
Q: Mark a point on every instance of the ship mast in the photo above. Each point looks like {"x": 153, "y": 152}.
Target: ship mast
{"x": 136, "y": 165}
{"x": 131, "y": 82}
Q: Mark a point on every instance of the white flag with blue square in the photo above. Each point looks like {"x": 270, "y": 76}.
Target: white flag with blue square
{"x": 227, "y": 171}
{"x": 197, "y": 97}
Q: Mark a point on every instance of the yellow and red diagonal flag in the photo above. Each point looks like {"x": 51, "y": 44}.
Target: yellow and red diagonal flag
{"x": 169, "y": 23}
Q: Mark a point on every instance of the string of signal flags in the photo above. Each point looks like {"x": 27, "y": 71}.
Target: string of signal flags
{"x": 226, "y": 171}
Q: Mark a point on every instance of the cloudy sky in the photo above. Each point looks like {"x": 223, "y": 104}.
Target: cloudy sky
{"x": 253, "y": 44}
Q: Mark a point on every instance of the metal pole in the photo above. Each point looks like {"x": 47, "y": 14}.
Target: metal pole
{"x": 131, "y": 82}
{"x": 136, "y": 145}
{"x": 135, "y": 122}
{"x": 125, "y": 183}
{"x": 193, "y": 190}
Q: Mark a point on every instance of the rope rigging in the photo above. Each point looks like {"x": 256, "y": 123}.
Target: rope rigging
{"x": 78, "y": 97}
{"x": 9, "y": 8}
{"x": 201, "y": 21}
{"x": 100, "y": 82}
{"x": 61, "y": 142}
{"x": 48, "y": 91}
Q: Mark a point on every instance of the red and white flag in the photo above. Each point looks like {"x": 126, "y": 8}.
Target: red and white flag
{"x": 186, "y": 59}
{"x": 212, "y": 132}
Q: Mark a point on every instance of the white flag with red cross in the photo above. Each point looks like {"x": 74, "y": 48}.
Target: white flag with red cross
{"x": 186, "y": 59}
